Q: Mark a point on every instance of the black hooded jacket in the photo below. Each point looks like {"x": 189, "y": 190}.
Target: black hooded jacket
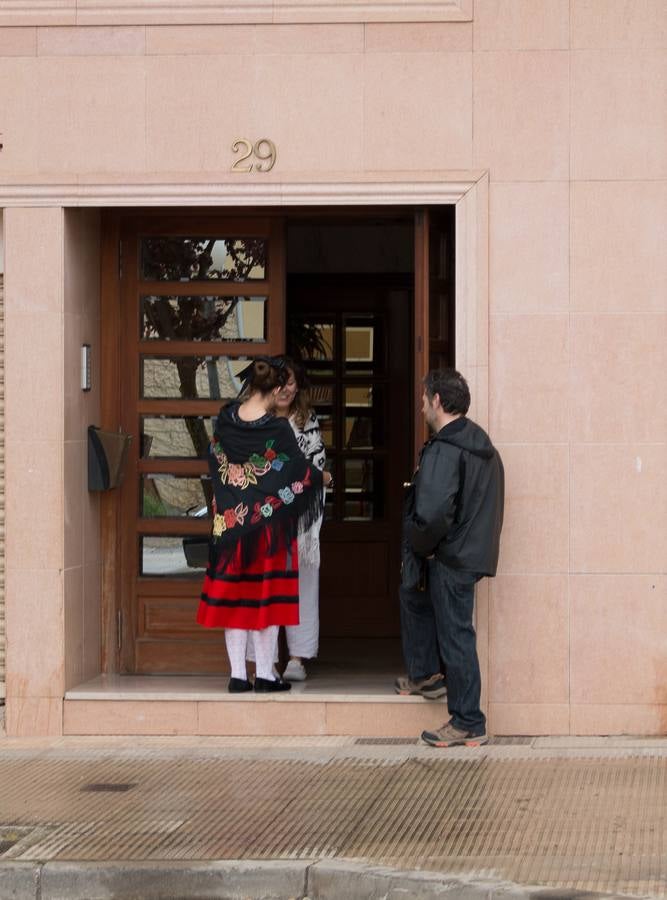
{"x": 454, "y": 506}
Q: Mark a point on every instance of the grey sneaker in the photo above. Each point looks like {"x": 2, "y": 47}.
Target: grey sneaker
{"x": 295, "y": 671}
{"x": 432, "y": 687}
{"x": 448, "y": 736}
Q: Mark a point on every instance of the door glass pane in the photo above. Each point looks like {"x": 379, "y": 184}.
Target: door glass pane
{"x": 175, "y": 495}
{"x": 191, "y": 377}
{"x": 203, "y": 259}
{"x": 329, "y": 497}
{"x": 364, "y": 489}
{"x": 203, "y": 318}
{"x": 314, "y": 343}
{"x": 169, "y": 557}
{"x": 362, "y": 344}
{"x": 175, "y": 437}
{"x": 364, "y": 417}
{"x": 322, "y": 401}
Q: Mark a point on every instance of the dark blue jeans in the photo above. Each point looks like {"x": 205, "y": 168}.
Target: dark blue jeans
{"x": 437, "y": 622}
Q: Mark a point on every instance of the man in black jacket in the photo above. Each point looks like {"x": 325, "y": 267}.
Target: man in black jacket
{"x": 451, "y": 534}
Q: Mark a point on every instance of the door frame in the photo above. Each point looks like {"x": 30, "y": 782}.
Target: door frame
{"x": 468, "y": 195}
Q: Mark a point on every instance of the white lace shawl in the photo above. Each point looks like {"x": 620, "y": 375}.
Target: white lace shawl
{"x": 309, "y": 439}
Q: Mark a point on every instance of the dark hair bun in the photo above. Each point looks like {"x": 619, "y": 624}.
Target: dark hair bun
{"x": 265, "y": 377}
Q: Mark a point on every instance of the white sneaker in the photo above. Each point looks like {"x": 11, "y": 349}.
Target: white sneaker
{"x": 295, "y": 671}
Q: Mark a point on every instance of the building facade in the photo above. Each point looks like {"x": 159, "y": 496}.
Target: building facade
{"x": 478, "y": 182}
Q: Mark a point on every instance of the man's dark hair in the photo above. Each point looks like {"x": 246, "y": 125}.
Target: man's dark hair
{"x": 451, "y": 387}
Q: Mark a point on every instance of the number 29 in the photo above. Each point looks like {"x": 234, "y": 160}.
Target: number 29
{"x": 263, "y": 152}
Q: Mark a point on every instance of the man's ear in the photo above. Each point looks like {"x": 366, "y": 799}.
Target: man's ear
{"x": 436, "y": 401}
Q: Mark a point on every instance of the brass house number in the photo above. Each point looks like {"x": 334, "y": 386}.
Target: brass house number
{"x": 260, "y": 156}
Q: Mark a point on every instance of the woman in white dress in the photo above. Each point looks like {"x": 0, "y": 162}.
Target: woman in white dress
{"x": 293, "y": 402}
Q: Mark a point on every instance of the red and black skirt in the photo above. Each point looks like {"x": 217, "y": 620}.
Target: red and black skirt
{"x": 254, "y": 596}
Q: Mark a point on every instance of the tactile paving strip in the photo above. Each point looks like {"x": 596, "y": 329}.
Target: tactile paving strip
{"x": 588, "y": 823}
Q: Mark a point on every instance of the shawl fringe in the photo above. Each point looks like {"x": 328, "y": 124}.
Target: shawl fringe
{"x": 269, "y": 535}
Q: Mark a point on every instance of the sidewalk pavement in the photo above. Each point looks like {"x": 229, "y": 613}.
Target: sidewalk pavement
{"x": 332, "y": 818}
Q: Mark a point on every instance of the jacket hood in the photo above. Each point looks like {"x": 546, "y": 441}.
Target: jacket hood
{"x": 468, "y": 436}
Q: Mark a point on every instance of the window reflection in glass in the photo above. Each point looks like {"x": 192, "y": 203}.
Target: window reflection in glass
{"x": 358, "y": 475}
{"x": 203, "y": 318}
{"x": 363, "y": 417}
{"x": 172, "y": 557}
{"x": 191, "y": 377}
{"x": 314, "y": 343}
{"x": 363, "y": 340}
{"x": 322, "y": 401}
{"x": 175, "y": 437}
{"x": 358, "y": 511}
{"x": 326, "y": 429}
{"x": 359, "y": 343}
{"x": 363, "y": 481}
{"x": 203, "y": 259}
{"x": 175, "y": 496}
{"x": 315, "y": 340}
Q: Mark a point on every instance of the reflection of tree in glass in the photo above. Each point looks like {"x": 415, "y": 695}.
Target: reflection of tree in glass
{"x": 196, "y": 318}
{"x": 188, "y": 259}
{"x": 188, "y": 318}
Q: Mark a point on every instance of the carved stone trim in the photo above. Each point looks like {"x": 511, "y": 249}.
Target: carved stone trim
{"x": 235, "y": 194}
{"x": 200, "y": 12}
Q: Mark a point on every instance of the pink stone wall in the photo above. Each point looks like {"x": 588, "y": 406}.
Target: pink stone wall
{"x": 82, "y": 564}
{"x": 34, "y": 490}
{"x": 562, "y": 102}
{"x": 52, "y": 548}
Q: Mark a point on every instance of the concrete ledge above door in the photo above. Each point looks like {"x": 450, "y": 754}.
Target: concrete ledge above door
{"x": 157, "y": 12}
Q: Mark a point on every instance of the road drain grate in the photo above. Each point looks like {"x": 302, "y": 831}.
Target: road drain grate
{"x": 386, "y": 741}
{"x": 110, "y": 787}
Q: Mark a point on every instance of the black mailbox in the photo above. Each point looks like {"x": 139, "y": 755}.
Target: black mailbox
{"x": 107, "y": 455}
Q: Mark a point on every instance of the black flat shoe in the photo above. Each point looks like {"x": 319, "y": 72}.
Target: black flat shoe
{"x": 238, "y": 686}
{"x": 264, "y": 686}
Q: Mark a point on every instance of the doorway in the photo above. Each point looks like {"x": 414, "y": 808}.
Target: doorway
{"x": 198, "y": 295}
{"x": 349, "y": 298}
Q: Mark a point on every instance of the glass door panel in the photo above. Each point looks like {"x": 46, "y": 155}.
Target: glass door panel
{"x": 204, "y": 258}
{"x": 191, "y": 377}
{"x": 188, "y": 318}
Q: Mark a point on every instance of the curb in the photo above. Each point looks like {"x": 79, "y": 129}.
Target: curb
{"x": 258, "y": 880}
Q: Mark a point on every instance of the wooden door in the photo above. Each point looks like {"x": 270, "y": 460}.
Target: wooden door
{"x": 357, "y": 334}
{"x": 199, "y": 296}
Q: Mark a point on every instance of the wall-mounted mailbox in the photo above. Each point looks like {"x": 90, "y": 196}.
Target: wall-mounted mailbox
{"x": 195, "y": 550}
{"x": 107, "y": 455}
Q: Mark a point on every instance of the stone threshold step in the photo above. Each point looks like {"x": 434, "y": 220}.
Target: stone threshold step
{"x": 251, "y": 716}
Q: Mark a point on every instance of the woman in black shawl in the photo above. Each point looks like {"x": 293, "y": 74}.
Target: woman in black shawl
{"x": 265, "y": 492}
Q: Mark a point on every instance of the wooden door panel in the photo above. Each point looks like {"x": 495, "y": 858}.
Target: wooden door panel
{"x": 198, "y": 294}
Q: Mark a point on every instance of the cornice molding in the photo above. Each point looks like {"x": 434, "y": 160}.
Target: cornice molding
{"x": 334, "y": 193}
{"x": 201, "y": 12}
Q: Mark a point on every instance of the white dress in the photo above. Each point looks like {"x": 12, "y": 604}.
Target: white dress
{"x": 303, "y": 639}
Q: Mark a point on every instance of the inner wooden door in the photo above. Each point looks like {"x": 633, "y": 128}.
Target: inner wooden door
{"x": 355, "y": 332}
{"x": 199, "y": 296}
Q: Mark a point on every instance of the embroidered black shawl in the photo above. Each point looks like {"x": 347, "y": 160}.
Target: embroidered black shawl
{"x": 262, "y": 484}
